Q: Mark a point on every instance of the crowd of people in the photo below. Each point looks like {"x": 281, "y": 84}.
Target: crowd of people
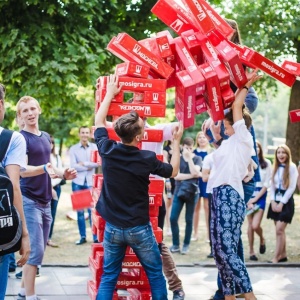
{"x": 222, "y": 169}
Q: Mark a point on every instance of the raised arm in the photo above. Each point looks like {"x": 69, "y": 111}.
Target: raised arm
{"x": 240, "y": 96}
{"x": 112, "y": 89}
{"x": 177, "y": 134}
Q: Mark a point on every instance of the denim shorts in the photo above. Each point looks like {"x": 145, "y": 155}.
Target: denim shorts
{"x": 38, "y": 219}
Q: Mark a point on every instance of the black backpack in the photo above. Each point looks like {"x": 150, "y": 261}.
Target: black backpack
{"x": 10, "y": 222}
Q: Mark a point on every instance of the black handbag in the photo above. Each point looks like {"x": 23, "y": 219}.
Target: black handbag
{"x": 187, "y": 190}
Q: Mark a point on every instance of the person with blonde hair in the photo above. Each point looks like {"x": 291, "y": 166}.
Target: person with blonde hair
{"x": 281, "y": 209}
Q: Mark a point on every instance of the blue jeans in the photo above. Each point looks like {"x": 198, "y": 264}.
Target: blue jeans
{"x": 4, "y": 262}
{"x": 12, "y": 260}
{"x": 38, "y": 220}
{"x": 189, "y": 214}
{"x": 249, "y": 188}
{"x": 80, "y": 213}
{"x": 141, "y": 239}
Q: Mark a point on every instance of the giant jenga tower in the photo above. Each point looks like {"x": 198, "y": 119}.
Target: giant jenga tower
{"x": 199, "y": 63}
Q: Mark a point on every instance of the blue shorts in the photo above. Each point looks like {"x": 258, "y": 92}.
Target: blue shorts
{"x": 262, "y": 200}
{"x": 38, "y": 219}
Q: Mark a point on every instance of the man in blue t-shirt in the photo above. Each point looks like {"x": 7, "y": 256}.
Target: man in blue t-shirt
{"x": 124, "y": 199}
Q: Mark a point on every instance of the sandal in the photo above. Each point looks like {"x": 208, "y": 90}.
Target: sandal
{"x": 253, "y": 257}
{"x": 52, "y": 244}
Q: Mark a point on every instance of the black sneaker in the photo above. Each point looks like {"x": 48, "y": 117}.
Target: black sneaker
{"x": 19, "y": 275}
{"x": 178, "y": 295}
{"x": 12, "y": 269}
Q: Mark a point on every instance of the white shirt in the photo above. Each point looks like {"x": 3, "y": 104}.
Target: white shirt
{"x": 157, "y": 147}
{"x": 231, "y": 159}
{"x": 265, "y": 175}
{"x": 277, "y": 183}
{"x": 207, "y": 165}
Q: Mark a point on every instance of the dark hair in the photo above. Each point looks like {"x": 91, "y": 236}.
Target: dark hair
{"x": 262, "y": 162}
{"x": 188, "y": 141}
{"x": 82, "y": 127}
{"x": 2, "y": 91}
{"x": 236, "y": 37}
{"x": 127, "y": 127}
{"x": 52, "y": 142}
{"x": 246, "y": 117}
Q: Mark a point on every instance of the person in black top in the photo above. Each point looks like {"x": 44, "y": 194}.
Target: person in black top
{"x": 124, "y": 200}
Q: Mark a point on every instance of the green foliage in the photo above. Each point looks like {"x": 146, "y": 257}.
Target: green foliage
{"x": 55, "y": 50}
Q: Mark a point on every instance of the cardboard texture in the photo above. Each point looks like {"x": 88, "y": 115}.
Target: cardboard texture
{"x": 174, "y": 16}
{"x": 132, "y": 69}
{"x": 185, "y": 99}
{"x": 139, "y": 53}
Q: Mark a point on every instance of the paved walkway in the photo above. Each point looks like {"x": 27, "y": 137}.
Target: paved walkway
{"x": 69, "y": 283}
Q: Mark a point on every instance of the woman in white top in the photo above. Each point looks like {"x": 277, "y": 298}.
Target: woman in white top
{"x": 258, "y": 203}
{"x": 230, "y": 163}
{"x": 281, "y": 209}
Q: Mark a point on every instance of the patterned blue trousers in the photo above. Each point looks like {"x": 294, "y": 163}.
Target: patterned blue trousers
{"x": 227, "y": 217}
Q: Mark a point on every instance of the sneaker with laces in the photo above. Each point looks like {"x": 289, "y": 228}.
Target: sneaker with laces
{"x": 178, "y": 295}
{"x": 174, "y": 249}
{"x": 21, "y": 297}
{"x": 185, "y": 249}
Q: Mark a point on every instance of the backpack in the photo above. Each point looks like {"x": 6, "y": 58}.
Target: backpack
{"x": 10, "y": 222}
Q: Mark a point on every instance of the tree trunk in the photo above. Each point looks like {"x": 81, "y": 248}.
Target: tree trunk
{"x": 293, "y": 129}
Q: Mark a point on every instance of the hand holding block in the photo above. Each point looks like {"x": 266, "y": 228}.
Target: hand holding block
{"x": 81, "y": 199}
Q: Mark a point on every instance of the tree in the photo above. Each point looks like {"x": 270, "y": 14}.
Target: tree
{"x": 271, "y": 27}
{"x": 54, "y": 50}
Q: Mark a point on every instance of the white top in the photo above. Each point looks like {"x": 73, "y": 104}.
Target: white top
{"x": 56, "y": 161}
{"x": 207, "y": 164}
{"x": 231, "y": 159}
{"x": 157, "y": 147}
{"x": 277, "y": 183}
{"x": 265, "y": 175}
{"x": 16, "y": 151}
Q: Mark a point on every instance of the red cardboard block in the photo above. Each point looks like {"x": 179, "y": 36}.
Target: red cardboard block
{"x": 295, "y": 115}
{"x": 202, "y": 19}
{"x": 213, "y": 93}
{"x": 156, "y": 185}
{"x": 255, "y": 59}
{"x": 81, "y": 199}
{"x": 233, "y": 63}
{"x": 174, "y": 15}
{"x": 187, "y": 61}
{"x": 200, "y": 105}
{"x": 164, "y": 46}
{"x": 129, "y": 45}
{"x": 228, "y": 97}
{"x": 292, "y": 67}
{"x": 142, "y": 84}
{"x": 193, "y": 45}
{"x": 155, "y": 199}
{"x": 144, "y": 110}
{"x": 155, "y": 97}
{"x": 132, "y": 69}
{"x": 218, "y": 21}
{"x": 150, "y": 135}
{"x": 154, "y": 222}
{"x": 151, "y": 45}
{"x": 111, "y": 47}
{"x": 212, "y": 58}
{"x": 185, "y": 99}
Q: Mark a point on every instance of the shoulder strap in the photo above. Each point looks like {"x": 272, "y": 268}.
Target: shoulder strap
{"x": 5, "y": 138}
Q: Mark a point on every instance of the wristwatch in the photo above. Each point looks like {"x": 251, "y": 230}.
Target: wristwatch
{"x": 219, "y": 142}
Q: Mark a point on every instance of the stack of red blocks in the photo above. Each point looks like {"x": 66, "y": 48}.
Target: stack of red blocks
{"x": 199, "y": 63}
